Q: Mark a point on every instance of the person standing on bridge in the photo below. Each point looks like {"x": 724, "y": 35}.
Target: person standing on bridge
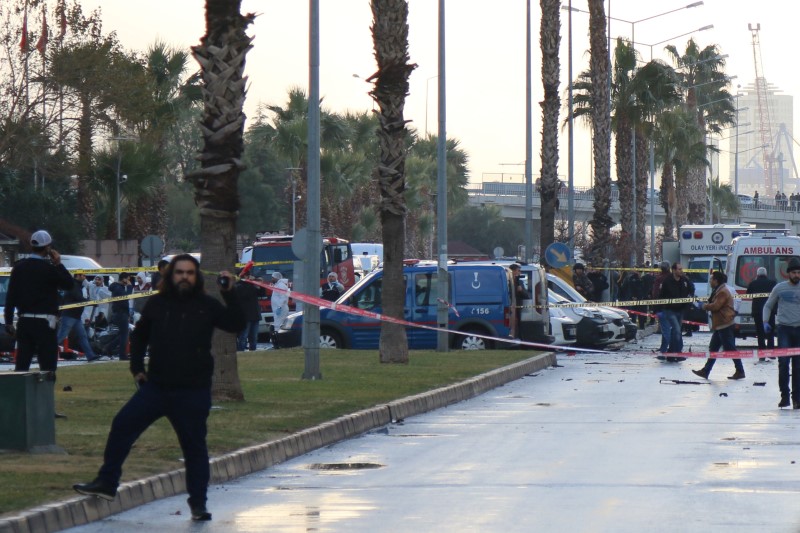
{"x": 787, "y": 320}
{"x": 720, "y": 303}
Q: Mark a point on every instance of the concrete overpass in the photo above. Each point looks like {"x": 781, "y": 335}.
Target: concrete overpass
{"x": 510, "y": 198}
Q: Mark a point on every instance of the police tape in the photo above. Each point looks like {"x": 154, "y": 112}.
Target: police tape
{"x": 646, "y": 269}
{"x": 133, "y": 296}
{"x": 262, "y": 263}
{"x": 635, "y": 303}
{"x": 327, "y": 304}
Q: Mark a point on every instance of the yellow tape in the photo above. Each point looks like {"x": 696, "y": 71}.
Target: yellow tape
{"x": 651, "y": 269}
{"x": 263, "y": 263}
{"x": 109, "y": 300}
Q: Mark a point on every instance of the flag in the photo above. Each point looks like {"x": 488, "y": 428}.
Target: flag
{"x": 23, "y": 42}
{"x": 62, "y": 10}
{"x": 41, "y": 44}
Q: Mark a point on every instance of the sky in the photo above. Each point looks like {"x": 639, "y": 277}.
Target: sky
{"x": 485, "y": 60}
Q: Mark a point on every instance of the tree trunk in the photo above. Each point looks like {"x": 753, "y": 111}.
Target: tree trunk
{"x": 668, "y": 200}
{"x": 625, "y": 177}
{"x": 221, "y": 55}
{"x": 681, "y": 200}
{"x": 86, "y": 200}
{"x": 390, "y": 39}
{"x": 601, "y": 127}
{"x": 550, "y": 39}
{"x": 696, "y": 195}
{"x": 642, "y": 185}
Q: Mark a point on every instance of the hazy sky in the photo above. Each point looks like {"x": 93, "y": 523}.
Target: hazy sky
{"x": 485, "y": 59}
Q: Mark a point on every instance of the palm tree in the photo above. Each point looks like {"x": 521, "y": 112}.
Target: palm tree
{"x": 550, "y": 39}
{"x": 601, "y": 128}
{"x": 221, "y": 54}
{"x": 704, "y": 81}
{"x": 723, "y": 201}
{"x": 390, "y": 38}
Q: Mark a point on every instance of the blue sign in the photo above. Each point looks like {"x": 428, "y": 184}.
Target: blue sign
{"x": 558, "y": 255}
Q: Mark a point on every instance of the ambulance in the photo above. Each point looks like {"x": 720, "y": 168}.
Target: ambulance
{"x": 702, "y": 248}
{"x": 768, "y": 248}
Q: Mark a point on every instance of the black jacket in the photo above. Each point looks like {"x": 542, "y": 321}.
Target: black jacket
{"x": 74, "y": 296}
{"x": 248, "y": 295}
{"x": 34, "y": 286}
{"x": 759, "y": 285}
{"x": 178, "y": 331}
{"x": 672, "y": 288}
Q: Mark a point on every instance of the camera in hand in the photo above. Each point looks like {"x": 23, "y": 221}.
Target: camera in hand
{"x": 223, "y": 282}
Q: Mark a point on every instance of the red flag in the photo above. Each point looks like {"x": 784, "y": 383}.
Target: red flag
{"x": 41, "y": 44}
{"x": 23, "y": 42}
{"x": 62, "y": 9}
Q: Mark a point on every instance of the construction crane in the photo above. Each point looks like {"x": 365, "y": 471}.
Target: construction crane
{"x": 764, "y": 122}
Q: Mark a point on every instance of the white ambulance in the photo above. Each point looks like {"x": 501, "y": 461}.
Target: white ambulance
{"x": 768, "y": 248}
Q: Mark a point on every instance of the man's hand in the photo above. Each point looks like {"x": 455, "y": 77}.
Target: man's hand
{"x": 140, "y": 378}
{"x": 231, "y": 281}
{"x": 55, "y": 257}
{"x": 11, "y": 330}
{"x": 767, "y": 328}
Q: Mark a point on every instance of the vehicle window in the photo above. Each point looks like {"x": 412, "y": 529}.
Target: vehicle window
{"x": 3, "y": 290}
{"x": 702, "y": 277}
{"x": 747, "y": 265}
{"x": 425, "y": 289}
{"x": 370, "y": 297}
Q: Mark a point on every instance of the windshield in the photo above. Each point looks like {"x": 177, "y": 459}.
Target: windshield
{"x": 704, "y": 265}
{"x": 564, "y": 289}
{"x": 282, "y": 255}
{"x": 3, "y": 290}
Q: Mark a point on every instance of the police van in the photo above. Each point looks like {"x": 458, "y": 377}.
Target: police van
{"x": 481, "y": 301}
{"x": 768, "y": 248}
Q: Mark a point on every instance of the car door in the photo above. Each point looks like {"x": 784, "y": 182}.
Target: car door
{"x": 422, "y": 309}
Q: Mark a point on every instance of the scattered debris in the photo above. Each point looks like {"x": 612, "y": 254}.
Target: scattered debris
{"x": 67, "y": 388}
{"x": 665, "y": 381}
{"x": 760, "y": 384}
{"x": 725, "y": 394}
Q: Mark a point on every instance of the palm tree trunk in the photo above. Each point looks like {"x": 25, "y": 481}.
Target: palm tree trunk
{"x": 668, "y": 200}
{"x": 390, "y": 39}
{"x": 642, "y": 184}
{"x": 221, "y": 55}
{"x": 696, "y": 195}
{"x": 682, "y": 200}
{"x": 86, "y": 200}
{"x": 550, "y": 39}
{"x": 625, "y": 181}
{"x": 601, "y": 125}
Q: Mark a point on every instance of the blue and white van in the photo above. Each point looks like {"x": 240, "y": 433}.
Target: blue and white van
{"x": 481, "y": 299}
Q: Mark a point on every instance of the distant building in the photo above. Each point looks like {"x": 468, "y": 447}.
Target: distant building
{"x": 751, "y": 174}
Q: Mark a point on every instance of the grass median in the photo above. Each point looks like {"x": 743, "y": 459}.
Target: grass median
{"x": 277, "y": 403}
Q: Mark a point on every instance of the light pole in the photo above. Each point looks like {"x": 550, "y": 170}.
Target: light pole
{"x": 121, "y": 178}
{"x": 633, "y": 24}
{"x": 291, "y": 171}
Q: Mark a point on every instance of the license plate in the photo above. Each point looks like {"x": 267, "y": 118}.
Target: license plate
{"x": 746, "y": 319}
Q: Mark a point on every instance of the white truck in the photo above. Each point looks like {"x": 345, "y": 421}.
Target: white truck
{"x": 703, "y": 247}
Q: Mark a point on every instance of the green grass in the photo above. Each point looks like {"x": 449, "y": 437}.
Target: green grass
{"x": 277, "y": 403}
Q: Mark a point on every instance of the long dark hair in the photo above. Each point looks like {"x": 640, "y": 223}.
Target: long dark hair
{"x": 167, "y": 286}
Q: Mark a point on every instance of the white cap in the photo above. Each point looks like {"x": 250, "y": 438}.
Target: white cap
{"x": 41, "y": 238}
{"x": 277, "y": 275}
{"x": 761, "y": 271}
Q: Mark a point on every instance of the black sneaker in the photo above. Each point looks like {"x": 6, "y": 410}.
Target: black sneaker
{"x": 200, "y": 514}
{"x": 97, "y": 488}
{"x": 784, "y": 402}
{"x": 795, "y": 404}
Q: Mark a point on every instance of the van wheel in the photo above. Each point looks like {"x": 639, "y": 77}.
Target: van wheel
{"x": 330, "y": 339}
{"x": 471, "y": 342}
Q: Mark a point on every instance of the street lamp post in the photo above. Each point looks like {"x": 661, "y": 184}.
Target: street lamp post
{"x": 633, "y": 133}
{"x": 121, "y": 178}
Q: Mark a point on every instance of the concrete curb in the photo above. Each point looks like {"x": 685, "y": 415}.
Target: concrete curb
{"x": 84, "y": 509}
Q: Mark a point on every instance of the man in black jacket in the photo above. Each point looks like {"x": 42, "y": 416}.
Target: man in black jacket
{"x": 177, "y": 325}
{"x": 33, "y": 292}
{"x": 674, "y": 286}
{"x": 70, "y": 321}
{"x": 248, "y": 295}
{"x": 762, "y": 284}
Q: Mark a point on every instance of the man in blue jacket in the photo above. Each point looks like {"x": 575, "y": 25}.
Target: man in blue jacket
{"x": 177, "y": 325}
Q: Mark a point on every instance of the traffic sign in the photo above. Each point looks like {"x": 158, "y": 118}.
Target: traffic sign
{"x": 558, "y": 255}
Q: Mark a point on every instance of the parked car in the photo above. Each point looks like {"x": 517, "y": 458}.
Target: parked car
{"x": 481, "y": 297}
{"x": 624, "y": 328}
{"x": 592, "y": 328}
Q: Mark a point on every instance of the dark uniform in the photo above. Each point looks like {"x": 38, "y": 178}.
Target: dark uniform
{"x": 33, "y": 292}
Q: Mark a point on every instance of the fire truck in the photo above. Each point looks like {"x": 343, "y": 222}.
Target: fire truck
{"x": 272, "y": 252}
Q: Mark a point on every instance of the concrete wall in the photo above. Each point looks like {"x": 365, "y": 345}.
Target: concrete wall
{"x": 112, "y": 253}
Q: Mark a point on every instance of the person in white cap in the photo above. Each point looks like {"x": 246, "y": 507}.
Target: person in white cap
{"x": 33, "y": 292}
{"x": 279, "y": 302}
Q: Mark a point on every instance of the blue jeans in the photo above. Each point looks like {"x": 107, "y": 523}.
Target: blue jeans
{"x": 671, "y": 339}
{"x": 186, "y": 409}
{"x": 724, "y": 338}
{"x": 789, "y": 337}
{"x": 67, "y": 324}
{"x": 248, "y": 335}
{"x": 121, "y": 320}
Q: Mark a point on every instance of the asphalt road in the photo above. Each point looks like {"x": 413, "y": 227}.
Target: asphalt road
{"x": 600, "y": 443}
